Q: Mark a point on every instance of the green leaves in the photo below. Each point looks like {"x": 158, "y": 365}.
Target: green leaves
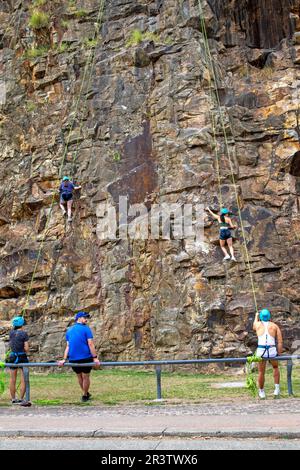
{"x": 251, "y": 384}
{"x": 2, "y": 378}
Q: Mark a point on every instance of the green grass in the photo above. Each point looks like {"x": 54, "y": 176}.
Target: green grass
{"x": 39, "y": 3}
{"x": 137, "y": 37}
{"x": 30, "y": 106}
{"x": 36, "y": 52}
{"x": 127, "y": 386}
{"x": 81, "y": 13}
{"x": 90, "y": 43}
{"x": 39, "y": 20}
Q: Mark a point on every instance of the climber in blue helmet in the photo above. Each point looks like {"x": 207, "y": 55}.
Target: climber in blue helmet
{"x": 268, "y": 334}
{"x": 226, "y": 226}
{"x": 19, "y": 348}
{"x": 66, "y": 196}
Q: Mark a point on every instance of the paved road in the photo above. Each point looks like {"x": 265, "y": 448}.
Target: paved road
{"x": 231, "y": 419}
{"x": 148, "y": 444}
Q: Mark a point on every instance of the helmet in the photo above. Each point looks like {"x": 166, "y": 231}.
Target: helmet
{"x": 265, "y": 315}
{"x": 224, "y": 211}
{"x": 17, "y": 322}
{"x": 66, "y": 178}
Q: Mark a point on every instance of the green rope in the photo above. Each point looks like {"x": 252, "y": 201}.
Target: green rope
{"x": 204, "y": 32}
{"x": 89, "y": 66}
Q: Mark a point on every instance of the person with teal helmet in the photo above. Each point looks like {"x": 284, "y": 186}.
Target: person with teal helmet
{"x": 19, "y": 348}
{"x": 226, "y": 226}
{"x": 268, "y": 334}
{"x": 66, "y": 196}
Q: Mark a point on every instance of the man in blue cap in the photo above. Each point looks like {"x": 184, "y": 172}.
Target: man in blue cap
{"x": 80, "y": 349}
{"x": 268, "y": 335}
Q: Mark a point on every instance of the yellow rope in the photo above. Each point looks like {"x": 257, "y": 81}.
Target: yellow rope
{"x": 89, "y": 62}
{"x": 228, "y": 153}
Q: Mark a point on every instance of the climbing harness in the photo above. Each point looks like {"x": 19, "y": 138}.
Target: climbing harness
{"x": 212, "y": 71}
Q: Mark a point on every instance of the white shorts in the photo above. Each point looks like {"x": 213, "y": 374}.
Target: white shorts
{"x": 267, "y": 353}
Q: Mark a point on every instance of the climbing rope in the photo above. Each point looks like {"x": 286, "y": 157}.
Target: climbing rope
{"x": 89, "y": 65}
{"x": 211, "y": 69}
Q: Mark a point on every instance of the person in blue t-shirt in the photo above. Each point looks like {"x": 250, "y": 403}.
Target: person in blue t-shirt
{"x": 80, "y": 349}
{"x": 66, "y": 196}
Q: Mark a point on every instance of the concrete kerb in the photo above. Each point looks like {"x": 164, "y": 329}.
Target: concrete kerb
{"x": 152, "y": 434}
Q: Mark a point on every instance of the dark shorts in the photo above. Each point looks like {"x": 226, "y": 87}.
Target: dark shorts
{"x": 65, "y": 197}
{"x": 225, "y": 234}
{"x": 17, "y": 359}
{"x": 84, "y": 370}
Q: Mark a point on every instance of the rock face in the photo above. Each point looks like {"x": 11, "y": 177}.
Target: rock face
{"x": 140, "y": 118}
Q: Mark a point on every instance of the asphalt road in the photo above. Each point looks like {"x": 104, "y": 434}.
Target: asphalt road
{"x": 147, "y": 444}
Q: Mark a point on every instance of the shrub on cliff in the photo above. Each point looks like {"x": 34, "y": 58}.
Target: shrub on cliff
{"x": 39, "y": 20}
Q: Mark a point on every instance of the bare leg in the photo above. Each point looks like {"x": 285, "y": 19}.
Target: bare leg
{"x": 222, "y": 245}
{"x": 12, "y": 383}
{"x": 261, "y": 374}
{"x": 230, "y": 245}
{"x": 62, "y": 206}
{"x": 86, "y": 383}
{"x": 69, "y": 204}
{"x": 276, "y": 372}
{"x": 80, "y": 381}
{"x": 23, "y": 385}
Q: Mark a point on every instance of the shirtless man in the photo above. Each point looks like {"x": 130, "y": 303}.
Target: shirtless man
{"x": 268, "y": 334}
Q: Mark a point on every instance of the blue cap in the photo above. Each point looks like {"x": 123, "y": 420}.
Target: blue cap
{"x": 265, "y": 315}
{"x": 224, "y": 211}
{"x": 82, "y": 315}
{"x": 17, "y": 322}
{"x": 66, "y": 178}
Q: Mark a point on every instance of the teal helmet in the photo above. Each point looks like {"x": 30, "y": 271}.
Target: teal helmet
{"x": 265, "y": 315}
{"x": 224, "y": 211}
{"x": 66, "y": 178}
{"x": 17, "y": 322}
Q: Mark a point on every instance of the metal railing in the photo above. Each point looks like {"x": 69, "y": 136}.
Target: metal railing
{"x": 158, "y": 368}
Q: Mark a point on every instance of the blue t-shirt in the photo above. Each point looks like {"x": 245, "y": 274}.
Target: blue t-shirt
{"x": 77, "y": 337}
{"x": 66, "y": 188}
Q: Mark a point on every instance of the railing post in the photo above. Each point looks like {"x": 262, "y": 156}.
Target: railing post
{"x": 289, "y": 377}
{"x": 158, "y": 382}
{"x": 27, "y": 383}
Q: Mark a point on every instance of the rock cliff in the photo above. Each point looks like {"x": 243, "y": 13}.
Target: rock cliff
{"x": 133, "y": 111}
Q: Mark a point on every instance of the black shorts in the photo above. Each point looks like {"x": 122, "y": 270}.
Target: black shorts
{"x": 84, "y": 370}
{"x": 225, "y": 234}
{"x": 65, "y": 197}
{"x": 17, "y": 359}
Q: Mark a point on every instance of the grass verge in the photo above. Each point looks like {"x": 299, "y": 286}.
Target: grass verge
{"x": 127, "y": 386}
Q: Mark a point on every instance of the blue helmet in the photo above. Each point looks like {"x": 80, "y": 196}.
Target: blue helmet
{"x": 17, "y": 322}
{"x": 224, "y": 211}
{"x": 66, "y": 178}
{"x": 265, "y": 315}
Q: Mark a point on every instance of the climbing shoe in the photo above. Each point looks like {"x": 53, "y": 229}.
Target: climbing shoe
{"x": 70, "y": 219}
{"x": 25, "y": 403}
{"x": 233, "y": 258}
{"x": 226, "y": 258}
{"x": 16, "y": 401}
{"x": 262, "y": 394}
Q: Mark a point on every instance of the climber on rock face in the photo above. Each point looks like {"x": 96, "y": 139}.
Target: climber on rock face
{"x": 268, "y": 333}
{"x": 66, "y": 196}
{"x": 225, "y": 232}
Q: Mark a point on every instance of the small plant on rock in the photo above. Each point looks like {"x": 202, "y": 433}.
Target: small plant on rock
{"x": 36, "y": 52}
{"x": 39, "y": 20}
